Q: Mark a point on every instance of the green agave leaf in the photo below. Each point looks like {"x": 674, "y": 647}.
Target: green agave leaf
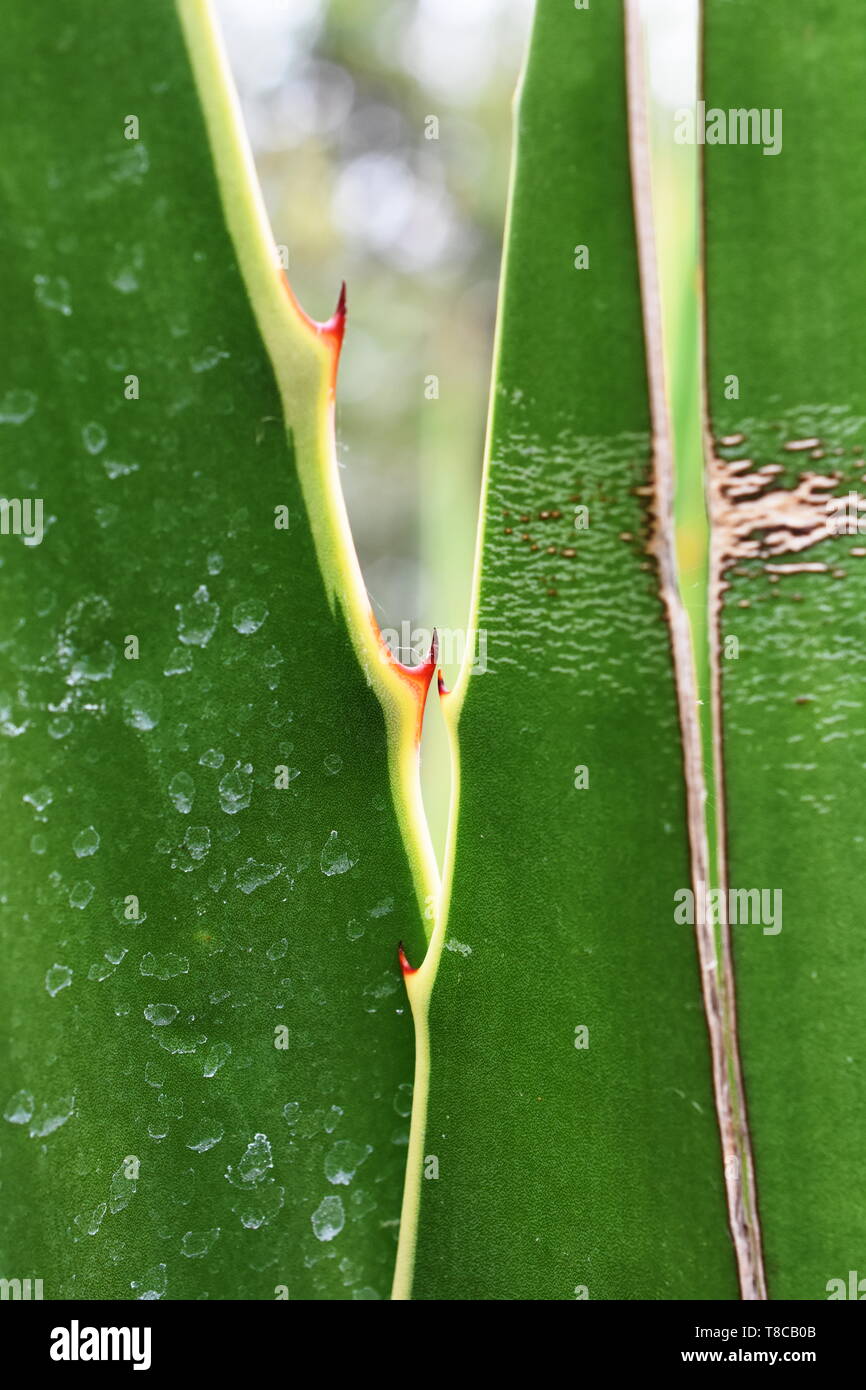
{"x": 569, "y": 1147}
{"x": 212, "y": 836}
{"x": 785, "y": 247}
{"x": 171, "y": 899}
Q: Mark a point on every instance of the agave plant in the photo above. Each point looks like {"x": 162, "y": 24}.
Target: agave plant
{"x": 255, "y": 1044}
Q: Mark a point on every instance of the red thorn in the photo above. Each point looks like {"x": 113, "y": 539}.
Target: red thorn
{"x": 332, "y": 328}
{"x": 418, "y": 677}
{"x": 404, "y": 961}
{"x": 335, "y": 326}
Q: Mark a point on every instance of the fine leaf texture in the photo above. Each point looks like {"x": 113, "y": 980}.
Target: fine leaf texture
{"x": 786, "y": 351}
{"x": 156, "y": 1141}
{"x": 568, "y": 1164}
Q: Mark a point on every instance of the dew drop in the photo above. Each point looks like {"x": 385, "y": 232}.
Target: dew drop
{"x": 19, "y": 1108}
{"x": 115, "y": 468}
{"x": 374, "y": 995}
{"x": 338, "y": 855}
{"x": 198, "y": 1243}
{"x": 154, "y": 1075}
{"x": 207, "y": 359}
{"x": 124, "y": 278}
{"x": 181, "y": 790}
{"x": 236, "y": 789}
{"x": 94, "y": 437}
{"x": 362, "y": 1203}
{"x": 403, "y": 1099}
{"x": 166, "y": 967}
{"x": 197, "y": 619}
{"x": 161, "y": 1014}
{"x": 253, "y": 875}
{"x": 179, "y": 662}
{"x": 207, "y": 1141}
{"x": 258, "y": 1206}
{"x": 197, "y": 841}
{"x": 51, "y": 1117}
{"x": 332, "y": 1119}
{"x": 89, "y": 1222}
{"x": 80, "y": 894}
{"x": 255, "y": 1164}
{"x": 86, "y": 843}
{"x": 216, "y": 1058}
{"x": 343, "y": 1161}
{"x": 248, "y": 617}
{"x": 57, "y": 978}
{"x": 178, "y": 1043}
{"x": 142, "y": 706}
{"x": 382, "y": 909}
{"x": 52, "y": 292}
{"x": 40, "y": 799}
{"x": 328, "y": 1219}
{"x": 16, "y": 407}
{"x": 101, "y": 970}
{"x": 458, "y": 947}
{"x": 152, "y": 1285}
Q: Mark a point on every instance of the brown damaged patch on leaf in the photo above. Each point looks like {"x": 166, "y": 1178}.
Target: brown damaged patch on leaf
{"x": 753, "y": 520}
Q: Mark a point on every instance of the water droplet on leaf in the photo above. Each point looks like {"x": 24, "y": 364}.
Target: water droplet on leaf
{"x": 57, "y": 978}
{"x": 338, "y": 855}
{"x": 328, "y": 1219}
